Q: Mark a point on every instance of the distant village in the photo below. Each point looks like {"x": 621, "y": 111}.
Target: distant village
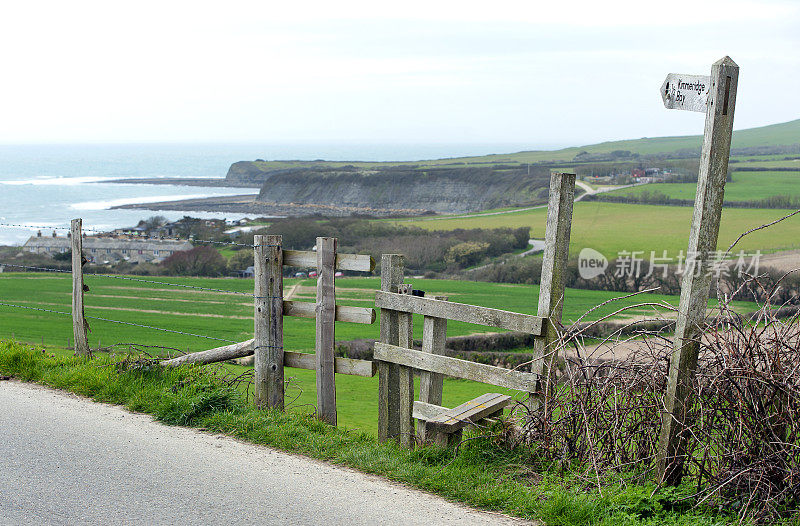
{"x": 150, "y": 241}
{"x": 634, "y": 176}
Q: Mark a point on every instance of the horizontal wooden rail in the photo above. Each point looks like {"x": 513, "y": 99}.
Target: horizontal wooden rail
{"x": 350, "y": 366}
{"x": 435, "y": 363}
{"x": 308, "y": 259}
{"x": 297, "y": 360}
{"x": 502, "y": 319}
{"x": 305, "y": 309}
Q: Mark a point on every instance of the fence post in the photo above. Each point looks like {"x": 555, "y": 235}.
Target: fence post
{"x": 326, "y": 315}
{"x": 388, "y": 373}
{"x": 696, "y": 280}
{"x": 434, "y": 338}
{"x": 551, "y": 288}
{"x": 79, "y": 325}
{"x": 405, "y": 338}
{"x": 268, "y": 330}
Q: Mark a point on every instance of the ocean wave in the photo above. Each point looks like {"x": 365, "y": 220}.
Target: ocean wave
{"x": 55, "y": 181}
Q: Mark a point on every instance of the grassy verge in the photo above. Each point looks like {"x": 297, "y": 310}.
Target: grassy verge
{"x": 482, "y": 474}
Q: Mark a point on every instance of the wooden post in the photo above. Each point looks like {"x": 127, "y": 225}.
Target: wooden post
{"x": 388, "y": 373}
{"x": 79, "y": 324}
{"x": 326, "y": 315}
{"x": 406, "y": 374}
{"x": 434, "y": 338}
{"x": 696, "y": 280}
{"x": 268, "y": 331}
{"x": 551, "y": 288}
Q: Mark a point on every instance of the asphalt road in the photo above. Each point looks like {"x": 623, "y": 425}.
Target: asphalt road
{"x": 67, "y": 460}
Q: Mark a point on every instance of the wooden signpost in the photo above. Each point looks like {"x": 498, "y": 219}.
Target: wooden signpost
{"x": 686, "y": 92}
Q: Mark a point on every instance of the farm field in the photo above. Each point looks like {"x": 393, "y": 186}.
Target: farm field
{"x": 746, "y": 186}
{"x": 228, "y": 316}
{"x": 615, "y": 227}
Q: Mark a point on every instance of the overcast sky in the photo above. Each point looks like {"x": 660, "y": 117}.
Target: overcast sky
{"x": 414, "y": 71}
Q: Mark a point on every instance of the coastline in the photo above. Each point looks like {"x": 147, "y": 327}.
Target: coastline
{"x": 248, "y": 204}
{"x": 181, "y": 181}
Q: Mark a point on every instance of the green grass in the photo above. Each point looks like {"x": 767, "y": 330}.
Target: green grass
{"x": 229, "y": 316}
{"x": 615, "y": 227}
{"x": 746, "y": 186}
{"x": 482, "y": 474}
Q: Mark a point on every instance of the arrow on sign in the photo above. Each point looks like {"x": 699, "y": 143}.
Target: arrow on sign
{"x": 686, "y": 92}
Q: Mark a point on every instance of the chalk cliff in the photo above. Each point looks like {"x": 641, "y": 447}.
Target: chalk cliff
{"x": 442, "y": 190}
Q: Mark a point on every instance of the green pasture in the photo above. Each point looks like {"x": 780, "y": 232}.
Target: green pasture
{"x": 229, "y": 317}
{"x": 746, "y": 186}
{"x": 615, "y": 227}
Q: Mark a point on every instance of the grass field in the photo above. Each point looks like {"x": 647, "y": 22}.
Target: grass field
{"x": 614, "y": 227}
{"x": 746, "y": 186}
{"x": 229, "y": 316}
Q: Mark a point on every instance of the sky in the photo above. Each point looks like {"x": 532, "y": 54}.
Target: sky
{"x": 541, "y": 73}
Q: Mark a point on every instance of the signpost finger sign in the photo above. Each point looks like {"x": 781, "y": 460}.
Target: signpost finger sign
{"x": 686, "y": 92}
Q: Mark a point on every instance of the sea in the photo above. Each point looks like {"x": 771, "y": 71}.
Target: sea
{"x": 43, "y": 187}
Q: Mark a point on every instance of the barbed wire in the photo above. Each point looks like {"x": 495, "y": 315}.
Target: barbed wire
{"x": 209, "y": 289}
{"x": 120, "y": 322}
{"x": 42, "y": 269}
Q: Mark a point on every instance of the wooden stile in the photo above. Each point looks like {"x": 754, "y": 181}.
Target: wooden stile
{"x": 268, "y": 340}
{"x": 388, "y": 373}
{"x": 325, "y": 331}
{"x": 79, "y": 324}
{"x": 450, "y": 420}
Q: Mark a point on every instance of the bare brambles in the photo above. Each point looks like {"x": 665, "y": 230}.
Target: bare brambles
{"x": 743, "y": 432}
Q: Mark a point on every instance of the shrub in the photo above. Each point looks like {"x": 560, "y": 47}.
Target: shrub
{"x": 199, "y": 261}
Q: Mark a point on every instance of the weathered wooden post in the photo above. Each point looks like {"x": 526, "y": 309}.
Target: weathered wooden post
{"x": 405, "y": 339}
{"x": 551, "y": 288}
{"x": 392, "y": 267}
{"x": 79, "y": 324}
{"x": 326, "y": 315}
{"x": 268, "y": 330}
{"x": 683, "y": 92}
{"x": 434, "y": 338}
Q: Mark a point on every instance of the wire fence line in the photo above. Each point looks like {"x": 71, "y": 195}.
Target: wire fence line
{"x": 111, "y": 276}
{"x": 120, "y": 322}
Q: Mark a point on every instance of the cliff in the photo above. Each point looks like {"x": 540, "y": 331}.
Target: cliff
{"x": 442, "y": 190}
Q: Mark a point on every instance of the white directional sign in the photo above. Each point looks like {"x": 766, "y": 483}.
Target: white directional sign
{"x": 686, "y": 92}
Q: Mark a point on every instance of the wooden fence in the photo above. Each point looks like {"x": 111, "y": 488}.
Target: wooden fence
{"x": 398, "y": 361}
{"x": 269, "y": 309}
